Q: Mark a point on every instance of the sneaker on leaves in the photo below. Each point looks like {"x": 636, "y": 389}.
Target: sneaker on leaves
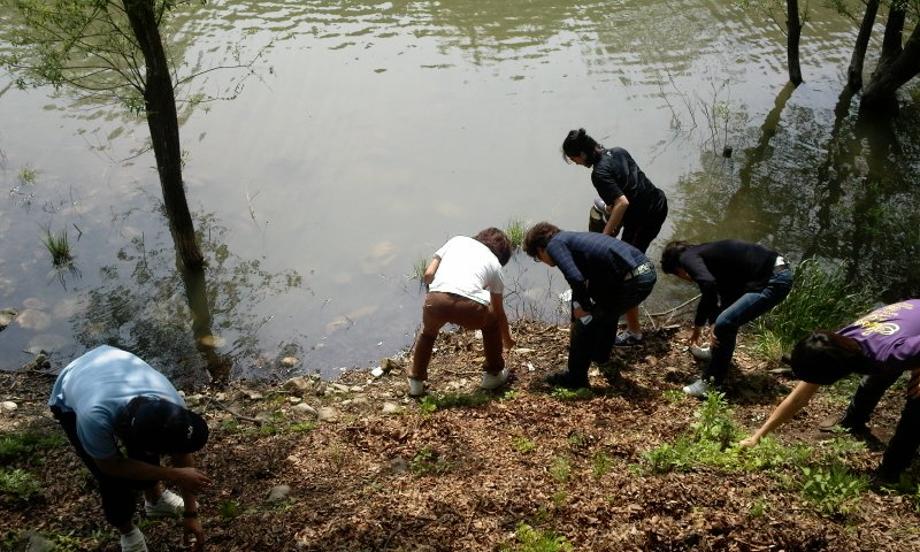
{"x": 698, "y": 389}
{"x": 494, "y": 381}
{"x": 628, "y": 339}
{"x": 168, "y": 505}
{"x": 133, "y": 541}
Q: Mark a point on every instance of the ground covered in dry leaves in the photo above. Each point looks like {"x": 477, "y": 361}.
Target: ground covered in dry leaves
{"x": 528, "y": 468}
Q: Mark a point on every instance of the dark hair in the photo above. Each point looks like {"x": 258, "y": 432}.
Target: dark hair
{"x": 670, "y": 257}
{"x": 825, "y": 357}
{"x": 497, "y": 242}
{"x": 577, "y": 142}
{"x": 158, "y": 425}
{"x": 538, "y": 237}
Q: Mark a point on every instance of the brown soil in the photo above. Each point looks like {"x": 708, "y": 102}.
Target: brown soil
{"x": 464, "y": 478}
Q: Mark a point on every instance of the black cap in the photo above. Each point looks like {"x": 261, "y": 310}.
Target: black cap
{"x": 162, "y": 426}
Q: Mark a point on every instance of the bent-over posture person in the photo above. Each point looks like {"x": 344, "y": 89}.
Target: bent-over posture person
{"x": 607, "y": 276}
{"x": 739, "y": 281}
{"x": 465, "y": 287}
{"x": 628, "y": 201}
{"x": 885, "y": 342}
{"x": 109, "y": 397}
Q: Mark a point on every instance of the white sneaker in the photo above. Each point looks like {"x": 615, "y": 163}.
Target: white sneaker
{"x": 133, "y": 541}
{"x": 168, "y": 505}
{"x": 416, "y": 387}
{"x": 698, "y": 389}
{"x": 494, "y": 381}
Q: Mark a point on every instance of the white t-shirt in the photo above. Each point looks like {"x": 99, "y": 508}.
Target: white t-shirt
{"x": 468, "y": 269}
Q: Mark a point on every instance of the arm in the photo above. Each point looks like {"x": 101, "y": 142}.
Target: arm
{"x": 696, "y": 268}
{"x": 566, "y": 264}
{"x": 616, "y": 212}
{"x": 126, "y": 468}
{"x": 498, "y": 308}
{"x": 191, "y": 525}
{"x": 790, "y": 406}
{"x": 431, "y": 270}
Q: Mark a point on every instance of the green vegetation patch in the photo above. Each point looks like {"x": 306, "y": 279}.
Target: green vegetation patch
{"x": 516, "y": 229}
{"x": 427, "y": 461}
{"x": 22, "y": 445}
{"x": 443, "y": 401}
{"x": 832, "y": 489}
{"x": 529, "y": 539}
{"x": 822, "y": 297}
{"x": 19, "y": 484}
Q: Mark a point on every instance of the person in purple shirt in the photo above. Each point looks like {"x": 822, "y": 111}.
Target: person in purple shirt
{"x": 885, "y": 341}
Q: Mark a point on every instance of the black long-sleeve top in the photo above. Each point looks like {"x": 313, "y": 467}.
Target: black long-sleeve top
{"x": 594, "y": 264}
{"x": 724, "y": 271}
{"x": 616, "y": 174}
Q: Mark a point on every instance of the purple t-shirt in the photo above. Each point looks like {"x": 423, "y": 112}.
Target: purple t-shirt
{"x": 890, "y": 335}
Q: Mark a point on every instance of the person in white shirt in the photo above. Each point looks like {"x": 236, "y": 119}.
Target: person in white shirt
{"x": 465, "y": 287}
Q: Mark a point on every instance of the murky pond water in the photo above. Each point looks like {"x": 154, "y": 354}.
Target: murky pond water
{"x": 368, "y": 133}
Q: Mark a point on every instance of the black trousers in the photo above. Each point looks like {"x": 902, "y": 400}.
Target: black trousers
{"x": 119, "y": 496}
{"x": 906, "y": 440}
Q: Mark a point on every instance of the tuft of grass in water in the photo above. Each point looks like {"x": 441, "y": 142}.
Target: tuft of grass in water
{"x": 59, "y": 248}
{"x": 822, "y": 297}
{"x": 418, "y": 269}
{"x": 834, "y": 490}
{"x": 19, "y": 445}
{"x": 27, "y": 175}
{"x": 19, "y": 484}
{"x": 529, "y": 539}
{"x": 516, "y": 229}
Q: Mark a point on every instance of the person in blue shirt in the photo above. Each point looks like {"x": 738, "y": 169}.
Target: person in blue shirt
{"x": 121, "y": 415}
{"x": 607, "y": 276}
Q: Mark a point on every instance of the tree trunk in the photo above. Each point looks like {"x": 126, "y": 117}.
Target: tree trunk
{"x": 793, "y": 34}
{"x": 160, "y": 103}
{"x": 855, "y": 71}
{"x": 892, "y": 73}
{"x": 196, "y": 293}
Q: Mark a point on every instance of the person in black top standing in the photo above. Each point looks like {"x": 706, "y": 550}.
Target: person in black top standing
{"x": 607, "y": 276}
{"x": 628, "y": 202}
{"x": 739, "y": 281}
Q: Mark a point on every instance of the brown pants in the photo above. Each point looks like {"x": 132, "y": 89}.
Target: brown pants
{"x": 442, "y": 308}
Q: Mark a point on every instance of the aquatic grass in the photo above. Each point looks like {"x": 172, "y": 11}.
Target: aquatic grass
{"x": 418, "y": 269}
{"x": 59, "y": 248}
{"x": 27, "y": 176}
{"x": 822, "y": 297}
{"x": 516, "y": 229}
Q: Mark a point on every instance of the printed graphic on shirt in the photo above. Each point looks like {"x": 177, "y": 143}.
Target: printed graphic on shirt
{"x": 878, "y": 322}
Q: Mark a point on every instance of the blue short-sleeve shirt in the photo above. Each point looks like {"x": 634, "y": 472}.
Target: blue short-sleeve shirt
{"x": 98, "y": 386}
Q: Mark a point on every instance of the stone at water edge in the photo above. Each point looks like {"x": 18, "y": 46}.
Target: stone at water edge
{"x": 8, "y": 406}
{"x": 289, "y": 361}
{"x": 299, "y": 384}
{"x": 278, "y": 493}
{"x": 6, "y": 318}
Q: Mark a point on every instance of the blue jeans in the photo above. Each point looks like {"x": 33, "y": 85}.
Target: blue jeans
{"x": 594, "y": 341}
{"x": 748, "y": 307}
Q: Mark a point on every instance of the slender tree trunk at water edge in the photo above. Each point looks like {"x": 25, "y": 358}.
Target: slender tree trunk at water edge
{"x": 855, "y": 71}
{"x": 897, "y": 65}
{"x": 793, "y": 34}
{"x": 162, "y": 119}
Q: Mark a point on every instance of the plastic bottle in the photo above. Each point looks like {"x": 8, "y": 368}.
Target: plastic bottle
{"x": 586, "y": 319}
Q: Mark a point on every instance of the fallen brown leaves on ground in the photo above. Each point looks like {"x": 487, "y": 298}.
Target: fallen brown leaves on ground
{"x": 389, "y": 473}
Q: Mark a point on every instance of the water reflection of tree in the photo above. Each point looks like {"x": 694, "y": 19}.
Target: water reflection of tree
{"x": 847, "y": 197}
{"x": 177, "y": 316}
